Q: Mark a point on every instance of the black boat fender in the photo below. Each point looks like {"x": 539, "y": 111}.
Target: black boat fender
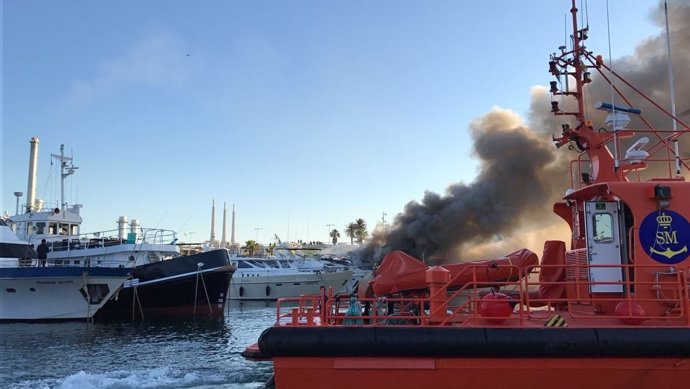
{"x": 268, "y": 290}
{"x": 399, "y": 341}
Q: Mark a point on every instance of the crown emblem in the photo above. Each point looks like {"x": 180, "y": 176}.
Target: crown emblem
{"x": 664, "y": 220}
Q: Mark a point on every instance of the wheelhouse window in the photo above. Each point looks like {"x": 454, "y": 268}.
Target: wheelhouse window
{"x": 603, "y": 228}
{"x": 40, "y": 228}
{"x": 52, "y": 228}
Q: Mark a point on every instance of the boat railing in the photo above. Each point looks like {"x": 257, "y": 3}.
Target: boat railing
{"x": 660, "y": 158}
{"x": 531, "y": 301}
{"x": 70, "y": 262}
{"x": 110, "y": 238}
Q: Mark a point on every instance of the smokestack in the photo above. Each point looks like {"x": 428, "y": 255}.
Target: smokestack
{"x": 213, "y": 220}
{"x": 232, "y": 233}
{"x": 33, "y": 166}
{"x": 225, "y": 212}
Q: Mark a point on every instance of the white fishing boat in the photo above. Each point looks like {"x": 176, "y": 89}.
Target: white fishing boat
{"x": 51, "y": 293}
{"x": 165, "y": 283}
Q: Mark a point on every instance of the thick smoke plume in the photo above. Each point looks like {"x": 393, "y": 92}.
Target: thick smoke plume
{"x": 521, "y": 172}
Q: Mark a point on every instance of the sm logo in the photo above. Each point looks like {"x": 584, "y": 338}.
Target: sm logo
{"x": 665, "y": 236}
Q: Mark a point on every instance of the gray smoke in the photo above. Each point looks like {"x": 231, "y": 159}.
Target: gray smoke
{"x": 521, "y": 172}
{"x": 647, "y": 70}
{"x": 515, "y": 179}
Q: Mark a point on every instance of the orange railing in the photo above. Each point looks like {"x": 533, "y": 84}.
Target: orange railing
{"x": 656, "y": 160}
{"x": 665, "y": 290}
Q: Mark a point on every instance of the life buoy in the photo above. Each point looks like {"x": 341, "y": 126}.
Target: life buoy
{"x": 268, "y": 290}
{"x": 241, "y": 291}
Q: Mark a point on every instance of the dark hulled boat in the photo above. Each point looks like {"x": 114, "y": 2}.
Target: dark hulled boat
{"x": 186, "y": 286}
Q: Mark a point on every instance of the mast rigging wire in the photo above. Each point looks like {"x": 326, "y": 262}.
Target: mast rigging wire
{"x": 613, "y": 103}
{"x": 672, "y": 90}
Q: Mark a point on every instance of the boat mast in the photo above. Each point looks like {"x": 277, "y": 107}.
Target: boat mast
{"x": 578, "y": 65}
{"x": 583, "y": 136}
{"x": 65, "y": 171}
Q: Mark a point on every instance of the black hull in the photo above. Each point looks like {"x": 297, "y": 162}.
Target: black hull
{"x": 174, "y": 288}
{"x": 473, "y": 342}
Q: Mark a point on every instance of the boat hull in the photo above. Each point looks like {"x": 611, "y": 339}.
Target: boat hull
{"x": 187, "y": 286}
{"x": 413, "y": 357}
{"x": 528, "y": 373}
{"x": 273, "y": 287}
{"x": 56, "y": 293}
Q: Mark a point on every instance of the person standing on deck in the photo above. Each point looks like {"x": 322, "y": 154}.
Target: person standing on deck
{"x": 42, "y": 250}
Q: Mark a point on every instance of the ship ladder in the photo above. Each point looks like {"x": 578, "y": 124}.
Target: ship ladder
{"x": 196, "y": 289}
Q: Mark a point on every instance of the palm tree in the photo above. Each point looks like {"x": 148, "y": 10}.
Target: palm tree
{"x": 361, "y": 230}
{"x": 270, "y": 248}
{"x": 335, "y": 234}
{"x": 351, "y": 231}
{"x": 252, "y": 247}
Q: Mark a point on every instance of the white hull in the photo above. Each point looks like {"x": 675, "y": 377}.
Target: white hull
{"x": 34, "y": 296}
{"x": 274, "y": 286}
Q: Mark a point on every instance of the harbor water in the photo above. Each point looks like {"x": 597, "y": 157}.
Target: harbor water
{"x": 201, "y": 353}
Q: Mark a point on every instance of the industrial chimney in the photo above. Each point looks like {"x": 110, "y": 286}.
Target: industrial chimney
{"x": 232, "y": 233}
{"x": 225, "y": 212}
{"x": 213, "y": 221}
{"x": 33, "y": 166}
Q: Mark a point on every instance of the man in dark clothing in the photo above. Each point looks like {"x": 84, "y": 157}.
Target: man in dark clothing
{"x": 42, "y": 251}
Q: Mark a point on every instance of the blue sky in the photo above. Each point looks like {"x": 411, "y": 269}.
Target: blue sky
{"x": 301, "y": 113}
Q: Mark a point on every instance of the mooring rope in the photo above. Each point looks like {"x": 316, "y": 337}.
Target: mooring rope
{"x": 89, "y": 318}
{"x": 135, "y": 302}
{"x": 196, "y": 290}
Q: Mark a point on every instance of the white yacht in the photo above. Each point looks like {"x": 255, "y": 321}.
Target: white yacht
{"x": 286, "y": 274}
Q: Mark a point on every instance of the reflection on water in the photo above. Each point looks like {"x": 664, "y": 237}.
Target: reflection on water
{"x": 200, "y": 353}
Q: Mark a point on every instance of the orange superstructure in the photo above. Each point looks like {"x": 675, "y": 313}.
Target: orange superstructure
{"x": 610, "y": 308}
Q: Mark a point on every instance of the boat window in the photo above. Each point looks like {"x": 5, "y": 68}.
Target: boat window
{"x": 243, "y": 265}
{"x": 64, "y": 228}
{"x": 29, "y": 228}
{"x": 13, "y": 226}
{"x": 40, "y": 228}
{"x": 603, "y": 228}
{"x": 285, "y": 264}
{"x": 52, "y": 228}
{"x": 74, "y": 229}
